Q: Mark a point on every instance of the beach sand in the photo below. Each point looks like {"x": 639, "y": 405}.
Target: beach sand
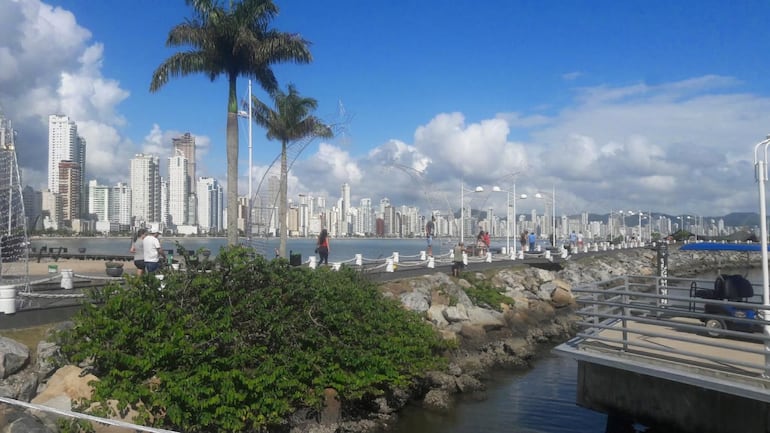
{"x": 84, "y": 267}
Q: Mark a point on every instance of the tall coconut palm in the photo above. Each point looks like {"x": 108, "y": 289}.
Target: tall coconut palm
{"x": 290, "y": 122}
{"x": 230, "y": 38}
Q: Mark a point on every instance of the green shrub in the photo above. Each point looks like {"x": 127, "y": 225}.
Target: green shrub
{"x": 484, "y": 294}
{"x": 241, "y": 347}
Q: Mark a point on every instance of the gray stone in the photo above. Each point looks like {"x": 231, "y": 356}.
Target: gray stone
{"x": 438, "y": 400}
{"x": 436, "y": 316}
{"x": 455, "y": 314}
{"x": 487, "y": 319}
{"x": 13, "y": 357}
{"x": 415, "y": 301}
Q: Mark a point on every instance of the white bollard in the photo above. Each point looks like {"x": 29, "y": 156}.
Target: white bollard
{"x": 585, "y": 248}
{"x": 465, "y": 258}
{"x": 335, "y": 266}
{"x": 513, "y": 255}
{"x": 452, "y": 254}
{"x": 359, "y": 259}
{"x": 395, "y": 257}
{"x": 422, "y": 255}
{"x": 489, "y": 257}
{"x": 503, "y": 251}
{"x": 521, "y": 255}
{"x": 7, "y": 299}
{"x": 389, "y": 265}
{"x": 547, "y": 254}
{"x": 538, "y": 249}
{"x": 311, "y": 262}
{"x": 66, "y": 279}
{"x": 431, "y": 263}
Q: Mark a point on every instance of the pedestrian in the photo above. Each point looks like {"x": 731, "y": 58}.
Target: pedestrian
{"x": 153, "y": 252}
{"x": 572, "y": 240}
{"x": 580, "y": 240}
{"x": 480, "y": 244}
{"x": 458, "y": 264}
{"x": 322, "y": 247}
{"x": 523, "y": 240}
{"x": 429, "y": 228}
{"x": 137, "y": 249}
{"x": 532, "y": 238}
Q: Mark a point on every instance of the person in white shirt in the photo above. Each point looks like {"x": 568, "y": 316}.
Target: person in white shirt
{"x": 153, "y": 252}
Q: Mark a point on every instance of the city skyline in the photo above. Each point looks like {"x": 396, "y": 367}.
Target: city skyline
{"x": 612, "y": 105}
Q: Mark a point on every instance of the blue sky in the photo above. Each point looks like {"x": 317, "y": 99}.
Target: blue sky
{"x": 630, "y": 105}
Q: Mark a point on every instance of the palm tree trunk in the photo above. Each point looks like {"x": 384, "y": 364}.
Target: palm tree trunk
{"x": 283, "y": 202}
{"x": 232, "y": 164}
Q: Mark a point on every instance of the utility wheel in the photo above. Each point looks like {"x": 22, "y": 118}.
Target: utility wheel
{"x": 714, "y": 324}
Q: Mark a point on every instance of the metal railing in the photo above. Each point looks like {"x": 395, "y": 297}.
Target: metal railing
{"x": 655, "y": 323}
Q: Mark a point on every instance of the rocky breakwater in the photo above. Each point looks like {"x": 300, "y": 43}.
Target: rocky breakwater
{"x": 498, "y": 318}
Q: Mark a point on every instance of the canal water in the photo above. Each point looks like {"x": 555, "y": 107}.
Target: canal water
{"x": 538, "y": 400}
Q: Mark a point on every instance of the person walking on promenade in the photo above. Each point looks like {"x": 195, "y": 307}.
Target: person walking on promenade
{"x": 153, "y": 252}
{"x": 429, "y": 227}
{"x": 523, "y": 240}
{"x": 137, "y": 249}
{"x": 532, "y": 238}
{"x": 322, "y": 247}
{"x": 458, "y": 264}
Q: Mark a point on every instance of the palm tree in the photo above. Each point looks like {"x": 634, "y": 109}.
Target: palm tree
{"x": 232, "y": 41}
{"x": 290, "y": 122}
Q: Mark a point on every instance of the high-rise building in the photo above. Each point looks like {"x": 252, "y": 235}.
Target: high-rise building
{"x": 185, "y": 145}
{"x": 98, "y": 200}
{"x": 345, "y": 209}
{"x": 145, "y": 189}
{"x": 33, "y": 207}
{"x": 210, "y": 205}
{"x": 365, "y": 217}
{"x": 120, "y": 204}
{"x": 178, "y": 189}
{"x": 70, "y": 189}
{"x": 64, "y": 144}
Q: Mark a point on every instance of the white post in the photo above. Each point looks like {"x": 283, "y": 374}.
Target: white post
{"x": 431, "y": 262}
{"x": 389, "y": 265}
{"x": 7, "y": 299}
{"x": 465, "y": 258}
{"x": 395, "y": 257}
{"x": 359, "y": 259}
{"x": 760, "y": 173}
{"x": 489, "y": 257}
{"x": 248, "y": 217}
{"x": 462, "y": 213}
{"x": 311, "y": 263}
{"x": 508, "y": 221}
{"x": 66, "y": 279}
{"x": 422, "y": 255}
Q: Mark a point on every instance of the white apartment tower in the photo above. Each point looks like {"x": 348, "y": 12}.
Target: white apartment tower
{"x": 64, "y": 144}
{"x": 178, "y": 189}
{"x": 210, "y": 204}
{"x": 145, "y": 188}
{"x": 185, "y": 145}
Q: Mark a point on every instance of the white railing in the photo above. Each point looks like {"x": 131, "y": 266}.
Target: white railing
{"x": 654, "y": 321}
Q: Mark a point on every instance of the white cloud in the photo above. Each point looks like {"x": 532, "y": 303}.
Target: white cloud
{"x": 50, "y": 66}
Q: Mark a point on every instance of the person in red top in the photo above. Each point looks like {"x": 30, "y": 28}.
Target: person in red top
{"x": 322, "y": 247}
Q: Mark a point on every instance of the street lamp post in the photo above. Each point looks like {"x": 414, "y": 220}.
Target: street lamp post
{"x": 508, "y": 217}
{"x": 553, "y": 211}
{"x": 462, "y": 209}
{"x": 760, "y": 172}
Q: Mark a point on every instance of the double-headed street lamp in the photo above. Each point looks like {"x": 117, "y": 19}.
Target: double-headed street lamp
{"x": 508, "y": 217}
{"x": 552, "y": 197}
{"x": 462, "y": 208}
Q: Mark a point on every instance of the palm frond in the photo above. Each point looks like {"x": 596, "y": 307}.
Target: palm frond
{"x": 181, "y": 64}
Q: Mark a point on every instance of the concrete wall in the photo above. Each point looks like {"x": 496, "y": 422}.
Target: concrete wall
{"x": 659, "y": 402}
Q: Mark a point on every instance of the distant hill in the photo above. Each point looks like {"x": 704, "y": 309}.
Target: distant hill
{"x": 739, "y": 219}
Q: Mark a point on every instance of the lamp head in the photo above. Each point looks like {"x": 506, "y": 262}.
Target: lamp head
{"x": 479, "y": 189}
{"x": 497, "y": 189}
{"x": 523, "y": 196}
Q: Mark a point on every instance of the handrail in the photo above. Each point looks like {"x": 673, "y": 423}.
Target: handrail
{"x": 623, "y": 316}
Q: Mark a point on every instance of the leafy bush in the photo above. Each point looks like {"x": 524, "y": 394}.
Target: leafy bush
{"x": 483, "y": 293}
{"x": 241, "y": 347}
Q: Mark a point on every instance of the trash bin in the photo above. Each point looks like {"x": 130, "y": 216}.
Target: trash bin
{"x": 170, "y": 256}
{"x": 53, "y": 269}
{"x": 295, "y": 259}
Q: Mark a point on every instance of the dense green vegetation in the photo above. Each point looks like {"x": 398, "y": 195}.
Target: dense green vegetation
{"x": 483, "y": 293}
{"x": 241, "y": 347}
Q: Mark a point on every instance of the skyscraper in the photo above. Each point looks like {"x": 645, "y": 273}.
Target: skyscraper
{"x": 70, "y": 189}
{"x": 145, "y": 188}
{"x": 64, "y": 144}
{"x": 178, "y": 189}
{"x": 345, "y": 210}
{"x": 185, "y": 145}
{"x": 210, "y": 204}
